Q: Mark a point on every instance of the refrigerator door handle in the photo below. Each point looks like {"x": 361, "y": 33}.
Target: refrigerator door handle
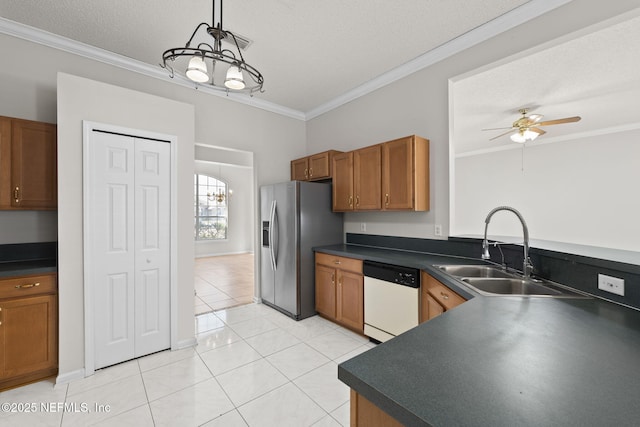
{"x": 272, "y": 217}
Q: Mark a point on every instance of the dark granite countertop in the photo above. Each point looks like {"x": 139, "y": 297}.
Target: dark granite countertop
{"x": 503, "y": 361}
{"x": 23, "y": 268}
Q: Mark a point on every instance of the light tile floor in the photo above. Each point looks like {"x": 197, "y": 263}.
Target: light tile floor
{"x": 223, "y": 281}
{"x": 252, "y": 367}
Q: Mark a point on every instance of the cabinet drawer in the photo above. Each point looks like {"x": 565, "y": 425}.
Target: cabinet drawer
{"x": 27, "y": 285}
{"x": 349, "y": 264}
{"x": 441, "y": 293}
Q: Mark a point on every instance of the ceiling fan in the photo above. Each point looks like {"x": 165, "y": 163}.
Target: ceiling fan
{"x": 527, "y": 128}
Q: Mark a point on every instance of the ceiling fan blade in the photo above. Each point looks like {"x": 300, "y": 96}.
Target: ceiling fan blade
{"x": 535, "y": 118}
{"x": 502, "y": 134}
{"x": 559, "y": 121}
{"x": 498, "y": 128}
{"x": 537, "y": 130}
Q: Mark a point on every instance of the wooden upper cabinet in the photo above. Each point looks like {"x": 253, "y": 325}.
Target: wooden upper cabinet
{"x": 405, "y": 174}
{"x": 5, "y": 163}
{"x": 28, "y": 163}
{"x": 367, "y": 178}
{"x": 300, "y": 169}
{"x": 391, "y": 176}
{"x": 343, "y": 182}
{"x": 356, "y": 180}
{"x": 313, "y": 168}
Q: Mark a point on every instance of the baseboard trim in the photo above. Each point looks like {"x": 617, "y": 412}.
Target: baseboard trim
{"x": 68, "y": 377}
{"x": 191, "y": 342}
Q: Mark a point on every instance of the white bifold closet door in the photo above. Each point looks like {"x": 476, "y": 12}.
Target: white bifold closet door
{"x": 130, "y": 249}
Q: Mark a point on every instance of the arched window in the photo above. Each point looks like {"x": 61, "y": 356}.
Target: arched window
{"x": 211, "y": 209}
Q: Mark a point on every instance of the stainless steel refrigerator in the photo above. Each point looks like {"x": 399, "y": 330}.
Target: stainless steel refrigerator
{"x": 295, "y": 217}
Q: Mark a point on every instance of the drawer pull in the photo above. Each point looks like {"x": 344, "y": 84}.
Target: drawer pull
{"x": 333, "y": 278}
{"x": 16, "y": 194}
{"x": 386, "y": 199}
{"x": 337, "y": 262}
{"x": 443, "y": 295}
{"x": 28, "y": 285}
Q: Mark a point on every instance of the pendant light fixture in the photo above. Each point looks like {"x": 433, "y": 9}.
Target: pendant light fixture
{"x": 235, "y": 75}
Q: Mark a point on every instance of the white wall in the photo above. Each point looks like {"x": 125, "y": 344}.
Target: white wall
{"x": 28, "y": 226}
{"x": 272, "y": 138}
{"x": 562, "y": 190}
{"x": 240, "y": 233}
{"x": 83, "y": 99}
{"x": 418, "y": 104}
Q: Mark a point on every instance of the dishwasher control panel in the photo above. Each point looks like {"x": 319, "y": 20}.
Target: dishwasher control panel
{"x": 405, "y": 276}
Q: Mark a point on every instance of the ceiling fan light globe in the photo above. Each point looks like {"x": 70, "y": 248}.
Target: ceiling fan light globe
{"x": 529, "y": 135}
{"x": 518, "y": 137}
{"x": 197, "y": 70}
{"x": 234, "y": 79}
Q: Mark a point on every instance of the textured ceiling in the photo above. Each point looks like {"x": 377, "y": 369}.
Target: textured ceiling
{"x": 592, "y": 75}
{"x": 309, "y": 51}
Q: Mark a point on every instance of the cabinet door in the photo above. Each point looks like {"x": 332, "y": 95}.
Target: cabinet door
{"x": 430, "y": 307}
{"x": 398, "y": 174}
{"x": 319, "y": 166}
{"x": 28, "y": 332}
{"x": 300, "y": 169}
{"x": 367, "y": 178}
{"x": 343, "y": 182}
{"x": 33, "y": 165}
{"x": 326, "y": 290}
{"x": 5, "y": 163}
{"x": 350, "y": 295}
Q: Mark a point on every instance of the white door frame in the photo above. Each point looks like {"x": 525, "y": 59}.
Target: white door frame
{"x": 87, "y": 128}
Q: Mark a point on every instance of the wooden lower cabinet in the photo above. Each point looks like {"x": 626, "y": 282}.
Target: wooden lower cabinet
{"x": 340, "y": 290}
{"x": 28, "y": 329}
{"x": 366, "y": 414}
{"x": 436, "y": 298}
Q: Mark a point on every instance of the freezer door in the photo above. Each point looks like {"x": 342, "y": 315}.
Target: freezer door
{"x": 285, "y": 246}
{"x": 267, "y": 272}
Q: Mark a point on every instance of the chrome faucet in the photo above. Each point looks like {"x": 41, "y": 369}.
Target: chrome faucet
{"x": 527, "y": 267}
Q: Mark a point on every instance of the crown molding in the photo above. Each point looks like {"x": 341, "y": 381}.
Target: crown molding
{"x": 509, "y": 20}
{"x": 502, "y": 23}
{"x": 55, "y": 41}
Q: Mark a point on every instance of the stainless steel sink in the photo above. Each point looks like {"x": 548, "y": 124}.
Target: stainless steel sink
{"x": 509, "y": 286}
{"x": 474, "y": 271}
{"x": 491, "y": 280}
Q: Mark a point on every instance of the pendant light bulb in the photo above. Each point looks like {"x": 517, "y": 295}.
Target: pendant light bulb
{"x": 234, "y": 78}
{"x": 197, "y": 70}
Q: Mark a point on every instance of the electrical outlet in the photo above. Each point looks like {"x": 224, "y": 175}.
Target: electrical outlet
{"x": 611, "y": 284}
{"x": 438, "y": 230}
{"x": 363, "y": 226}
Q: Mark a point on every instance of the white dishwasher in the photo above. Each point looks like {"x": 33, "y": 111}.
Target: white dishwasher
{"x": 391, "y": 299}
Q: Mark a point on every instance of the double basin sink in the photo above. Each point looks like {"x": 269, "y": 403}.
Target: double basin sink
{"x": 491, "y": 280}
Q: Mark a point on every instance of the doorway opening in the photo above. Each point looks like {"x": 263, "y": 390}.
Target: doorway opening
{"x": 224, "y": 228}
